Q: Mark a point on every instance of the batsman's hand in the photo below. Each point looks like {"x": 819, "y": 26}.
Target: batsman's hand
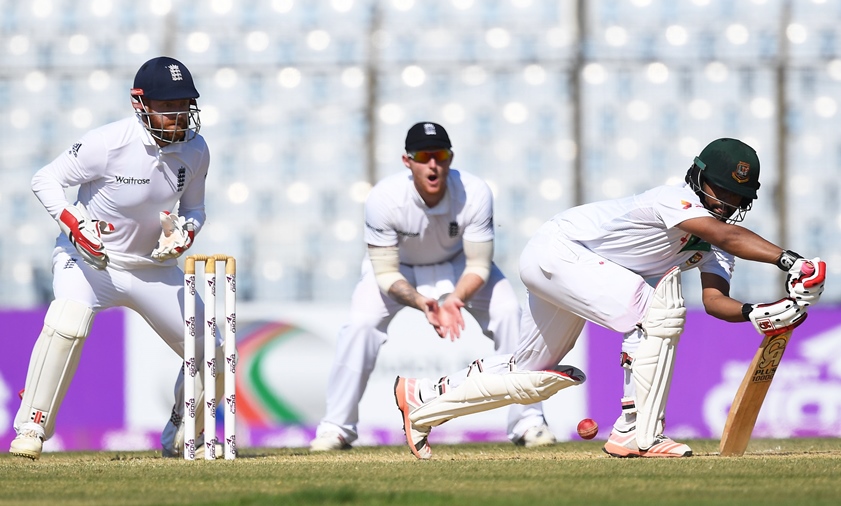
{"x": 774, "y": 318}
{"x": 85, "y": 234}
{"x": 805, "y": 280}
{"x": 176, "y": 237}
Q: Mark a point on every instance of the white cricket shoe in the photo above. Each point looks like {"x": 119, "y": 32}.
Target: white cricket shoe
{"x": 328, "y": 442}
{"x": 624, "y": 445}
{"x": 407, "y": 395}
{"x": 539, "y": 435}
{"x": 28, "y": 443}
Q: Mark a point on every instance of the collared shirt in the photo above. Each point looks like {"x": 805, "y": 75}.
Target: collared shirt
{"x": 124, "y": 178}
{"x": 640, "y": 232}
{"x": 395, "y": 215}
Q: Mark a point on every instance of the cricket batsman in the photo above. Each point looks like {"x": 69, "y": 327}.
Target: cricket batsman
{"x": 591, "y": 263}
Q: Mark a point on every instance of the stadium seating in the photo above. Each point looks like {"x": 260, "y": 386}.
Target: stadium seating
{"x": 285, "y": 86}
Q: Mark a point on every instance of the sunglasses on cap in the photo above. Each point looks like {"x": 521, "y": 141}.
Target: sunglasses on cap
{"x": 440, "y": 155}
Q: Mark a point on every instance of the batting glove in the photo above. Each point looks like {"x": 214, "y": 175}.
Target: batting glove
{"x": 85, "y": 234}
{"x": 176, "y": 237}
{"x": 806, "y": 289}
{"x": 774, "y": 318}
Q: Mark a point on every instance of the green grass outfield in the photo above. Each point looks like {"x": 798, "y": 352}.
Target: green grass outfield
{"x": 790, "y": 472}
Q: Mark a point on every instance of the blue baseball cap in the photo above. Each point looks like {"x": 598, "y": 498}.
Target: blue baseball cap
{"x": 164, "y": 78}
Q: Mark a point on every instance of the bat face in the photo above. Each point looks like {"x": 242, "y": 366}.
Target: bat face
{"x": 772, "y": 354}
{"x": 751, "y": 394}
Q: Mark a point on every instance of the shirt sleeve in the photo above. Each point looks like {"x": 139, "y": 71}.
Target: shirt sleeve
{"x": 720, "y": 263}
{"x": 191, "y": 205}
{"x": 84, "y": 162}
{"x": 379, "y": 229}
{"x": 676, "y": 204}
{"x": 481, "y": 227}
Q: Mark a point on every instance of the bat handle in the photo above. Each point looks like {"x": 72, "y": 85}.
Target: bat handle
{"x": 807, "y": 269}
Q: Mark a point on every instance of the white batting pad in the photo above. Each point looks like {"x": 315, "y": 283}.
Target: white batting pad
{"x": 666, "y": 315}
{"x": 654, "y": 360}
{"x": 485, "y": 391}
{"x": 54, "y": 360}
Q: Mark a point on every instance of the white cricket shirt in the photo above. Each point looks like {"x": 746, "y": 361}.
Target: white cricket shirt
{"x": 124, "y": 178}
{"x": 640, "y": 232}
{"x": 395, "y": 215}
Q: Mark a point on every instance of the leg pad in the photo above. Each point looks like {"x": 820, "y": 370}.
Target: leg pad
{"x": 654, "y": 361}
{"x": 53, "y": 363}
{"x": 485, "y": 391}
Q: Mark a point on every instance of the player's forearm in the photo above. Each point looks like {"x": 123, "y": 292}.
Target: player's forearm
{"x": 49, "y": 192}
{"x": 195, "y": 217}
{"x": 404, "y": 293}
{"x": 467, "y": 286}
{"x": 191, "y": 205}
{"x": 724, "y": 308}
{"x": 746, "y": 244}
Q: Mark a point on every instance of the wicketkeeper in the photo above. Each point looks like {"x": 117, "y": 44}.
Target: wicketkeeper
{"x": 591, "y": 263}
{"x": 119, "y": 242}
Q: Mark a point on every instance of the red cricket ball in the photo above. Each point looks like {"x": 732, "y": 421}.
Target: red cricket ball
{"x": 588, "y": 428}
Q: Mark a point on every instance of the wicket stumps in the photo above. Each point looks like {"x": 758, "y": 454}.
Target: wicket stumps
{"x": 190, "y": 366}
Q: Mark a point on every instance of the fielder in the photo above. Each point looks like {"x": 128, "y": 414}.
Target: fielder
{"x": 430, "y": 246}
{"x": 591, "y": 263}
{"x": 119, "y": 242}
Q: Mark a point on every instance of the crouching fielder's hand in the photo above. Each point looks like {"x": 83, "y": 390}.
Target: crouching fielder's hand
{"x": 85, "y": 234}
{"x": 176, "y": 236}
{"x": 450, "y": 320}
{"x": 805, "y": 280}
{"x": 775, "y": 318}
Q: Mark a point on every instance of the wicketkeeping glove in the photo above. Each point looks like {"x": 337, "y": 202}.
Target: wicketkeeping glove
{"x": 176, "y": 236}
{"x": 775, "y": 318}
{"x": 806, "y": 289}
{"x": 85, "y": 234}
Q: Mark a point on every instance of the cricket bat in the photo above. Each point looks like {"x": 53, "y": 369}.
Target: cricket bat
{"x": 751, "y": 394}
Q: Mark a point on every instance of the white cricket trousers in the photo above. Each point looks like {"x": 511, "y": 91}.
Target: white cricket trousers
{"x": 495, "y": 308}
{"x": 567, "y": 285}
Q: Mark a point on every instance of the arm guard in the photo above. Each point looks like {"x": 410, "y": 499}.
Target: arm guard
{"x": 478, "y": 257}
{"x": 386, "y": 263}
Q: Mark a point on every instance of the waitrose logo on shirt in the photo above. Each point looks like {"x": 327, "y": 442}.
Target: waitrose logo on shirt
{"x": 131, "y": 180}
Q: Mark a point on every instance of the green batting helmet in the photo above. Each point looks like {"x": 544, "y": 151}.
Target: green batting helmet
{"x": 730, "y": 164}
